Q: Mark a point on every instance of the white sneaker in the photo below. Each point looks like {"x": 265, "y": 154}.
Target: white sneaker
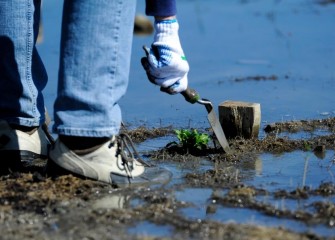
{"x": 22, "y": 145}
{"x": 112, "y": 163}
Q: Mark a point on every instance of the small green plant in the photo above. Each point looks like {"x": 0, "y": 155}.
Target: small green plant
{"x": 192, "y": 139}
{"x": 307, "y": 146}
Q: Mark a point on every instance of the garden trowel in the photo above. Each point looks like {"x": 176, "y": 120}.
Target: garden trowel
{"x": 192, "y": 96}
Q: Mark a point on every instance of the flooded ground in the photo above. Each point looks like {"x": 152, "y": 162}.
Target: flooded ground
{"x": 270, "y": 188}
{"x": 280, "y": 186}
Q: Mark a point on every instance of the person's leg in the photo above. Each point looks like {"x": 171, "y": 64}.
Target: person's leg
{"x": 94, "y": 66}
{"x": 22, "y": 79}
{"x": 93, "y": 76}
{"x": 22, "y": 73}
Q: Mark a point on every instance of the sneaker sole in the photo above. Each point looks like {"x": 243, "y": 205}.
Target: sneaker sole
{"x": 151, "y": 176}
{"x": 12, "y": 161}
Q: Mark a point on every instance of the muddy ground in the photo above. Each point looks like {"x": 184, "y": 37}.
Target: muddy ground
{"x": 35, "y": 206}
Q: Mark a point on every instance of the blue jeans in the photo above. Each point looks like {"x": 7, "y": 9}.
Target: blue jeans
{"x": 94, "y": 65}
{"x": 22, "y": 73}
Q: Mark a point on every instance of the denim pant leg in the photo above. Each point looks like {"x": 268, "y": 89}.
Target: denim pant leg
{"x": 22, "y": 73}
{"x": 94, "y": 66}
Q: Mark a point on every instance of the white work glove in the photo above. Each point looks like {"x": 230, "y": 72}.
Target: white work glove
{"x": 165, "y": 63}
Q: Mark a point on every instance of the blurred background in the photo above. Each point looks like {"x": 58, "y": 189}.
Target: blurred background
{"x": 278, "y": 53}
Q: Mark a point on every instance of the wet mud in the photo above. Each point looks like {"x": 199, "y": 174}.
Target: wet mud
{"x": 36, "y": 206}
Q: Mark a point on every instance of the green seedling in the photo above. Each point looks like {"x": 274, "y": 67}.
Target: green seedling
{"x": 307, "y": 146}
{"x": 191, "y": 140}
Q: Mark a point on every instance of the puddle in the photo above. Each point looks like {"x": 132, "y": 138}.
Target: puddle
{"x": 178, "y": 170}
{"x": 248, "y": 216}
{"x": 155, "y": 144}
{"x": 206, "y": 209}
{"x": 198, "y": 197}
{"x": 304, "y": 134}
{"x": 290, "y": 171}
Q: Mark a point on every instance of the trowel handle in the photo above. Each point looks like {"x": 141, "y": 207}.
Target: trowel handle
{"x": 191, "y": 95}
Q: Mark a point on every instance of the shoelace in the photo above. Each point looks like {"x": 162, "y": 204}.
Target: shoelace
{"x": 128, "y": 152}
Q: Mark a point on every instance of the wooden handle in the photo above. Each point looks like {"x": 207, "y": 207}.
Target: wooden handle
{"x": 191, "y": 95}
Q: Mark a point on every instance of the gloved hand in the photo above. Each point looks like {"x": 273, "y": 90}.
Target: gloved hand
{"x": 165, "y": 62}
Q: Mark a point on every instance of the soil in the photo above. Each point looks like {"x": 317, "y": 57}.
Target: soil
{"x": 36, "y": 206}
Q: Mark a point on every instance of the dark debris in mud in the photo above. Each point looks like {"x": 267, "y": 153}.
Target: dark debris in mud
{"x": 257, "y": 78}
{"x": 302, "y": 125}
{"x": 142, "y": 133}
{"x": 35, "y": 206}
{"x": 326, "y": 2}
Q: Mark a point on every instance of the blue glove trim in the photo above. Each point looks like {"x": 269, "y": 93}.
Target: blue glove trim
{"x": 169, "y": 21}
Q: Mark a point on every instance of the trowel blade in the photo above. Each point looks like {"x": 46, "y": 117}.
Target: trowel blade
{"x": 218, "y": 131}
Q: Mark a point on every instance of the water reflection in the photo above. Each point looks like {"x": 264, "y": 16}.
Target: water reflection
{"x": 290, "y": 170}
{"x": 146, "y": 229}
{"x": 111, "y": 201}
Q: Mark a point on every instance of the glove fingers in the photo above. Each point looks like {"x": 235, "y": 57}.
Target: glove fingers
{"x": 177, "y": 87}
{"x": 180, "y": 85}
{"x": 171, "y": 81}
{"x": 168, "y": 81}
{"x": 168, "y": 63}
